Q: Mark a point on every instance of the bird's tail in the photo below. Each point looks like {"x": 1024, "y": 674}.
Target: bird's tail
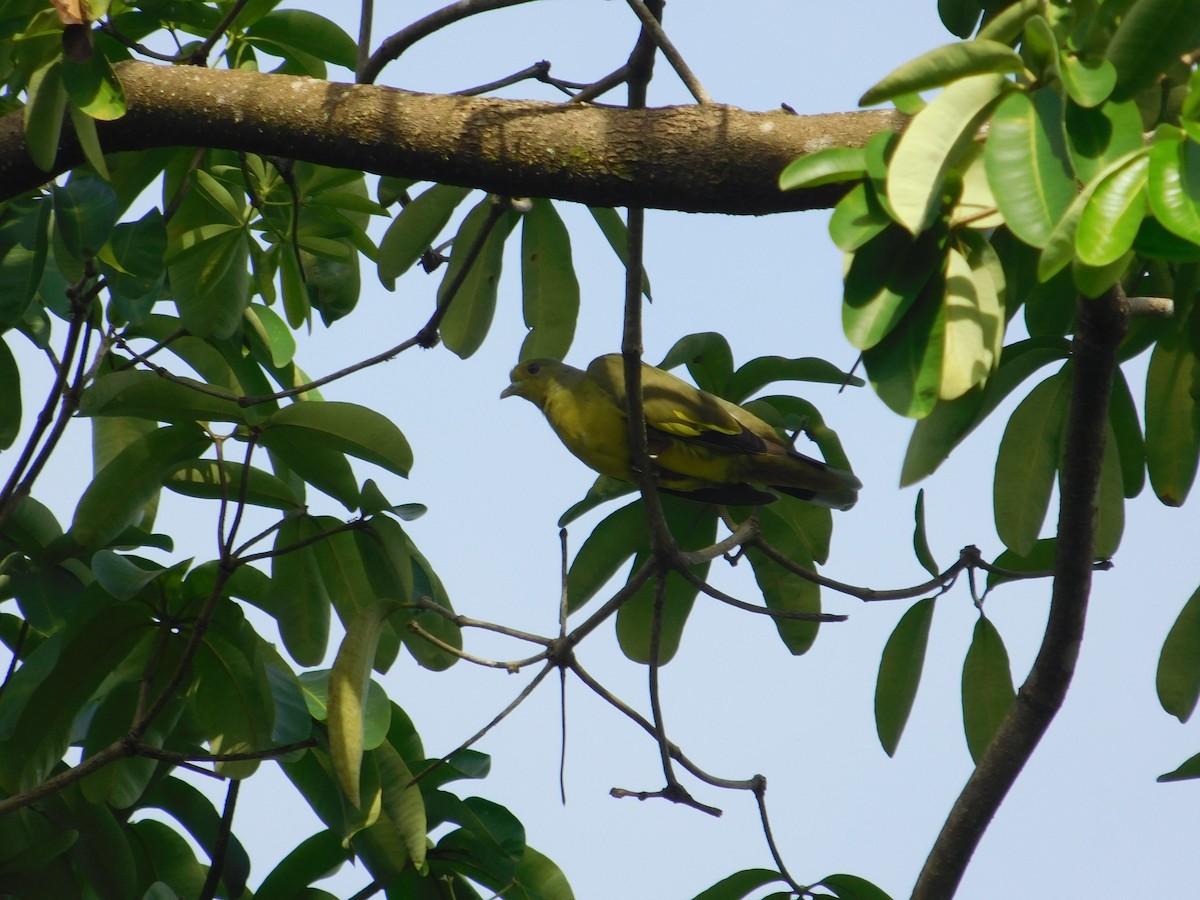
{"x": 808, "y": 479}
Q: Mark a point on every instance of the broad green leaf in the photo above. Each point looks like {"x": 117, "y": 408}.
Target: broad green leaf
{"x": 132, "y": 264}
{"x": 427, "y": 585}
{"x": 792, "y": 414}
{"x": 348, "y": 682}
{"x": 415, "y": 228}
{"x": 1093, "y": 281}
{"x": 1173, "y": 186}
{"x": 783, "y": 590}
{"x": 1039, "y": 560}
{"x": 474, "y": 303}
{"x": 210, "y": 281}
{"x": 231, "y": 701}
{"x": 1109, "y": 222}
{"x": 1028, "y": 164}
{"x": 829, "y": 166}
{"x": 1150, "y": 38}
{"x": 549, "y": 288}
{"x": 900, "y": 673}
{"x": 24, "y": 245}
{"x": 852, "y": 887}
{"x": 357, "y": 430}
{"x": 1005, "y": 24}
{"x": 976, "y": 207}
{"x": 883, "y": 279}
{"x": 905, "y": 368}
{"x": 708, "y": 358}
{"x": 932, "y": 144}
{"x": 93, "y": 86}
{"x": 739, "y": 885}
{"x": 1110, "y": 501}
{"x": 307, "y": 32}
{"x": 299, "y": 595}
{"x": 1089, "y": 82}
{"x": 221, "y": 197}
{"x": 541, "y": 878}
{"x": 89, "y": 140}
{"x": 10, "y": 397}
{"x": 314, "y": 859}
{"x": 1028, "y": 461}
{"x": 147, "y": 395}
{"x": 987, "y": 688}
{"x": 619, "y": 536}
{"x": 615, "y": 232}
{"x": 694, "y": 526}
{"x": 602, "y": 490}
{"x": 116, "y": 497}
{"x": 959, "y": 16}
{"x": 402, "y": 801}
{"x": 944, "y": 65}
{"x": 1172, "y": 418}
{"x": 920, "y": 540}
{"x": 1097, "y": 136}
{"x": 764, "y": 370}
{"x": 1127, "y": 436}
{"x": 1189, "y": 769}
{"x": 973, "y": 330}
{"x": 857, "y": 218}
{"x": 44, "y": 112}
{"x": 276, "y": 337}
{"x": 85, "y": 211}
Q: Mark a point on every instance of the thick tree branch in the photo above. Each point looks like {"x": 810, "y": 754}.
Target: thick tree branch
{"x": 1102, "y": 324}
{"x": 698, "y": 159}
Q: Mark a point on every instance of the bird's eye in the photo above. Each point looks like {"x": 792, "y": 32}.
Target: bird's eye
{"x": 533, "y": 368}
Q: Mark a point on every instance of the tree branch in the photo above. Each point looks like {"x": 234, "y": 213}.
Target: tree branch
{"x": 1102, "y": 324}
{"x": 713, "y": 158}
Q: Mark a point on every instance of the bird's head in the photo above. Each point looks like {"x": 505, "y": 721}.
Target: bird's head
{"x": 533, "y": 379}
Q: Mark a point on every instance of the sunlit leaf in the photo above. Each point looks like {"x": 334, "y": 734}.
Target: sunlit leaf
{"x": 943, "y": 65}
{"x": 987, "y": 688}
{"x": 549, "y": 288}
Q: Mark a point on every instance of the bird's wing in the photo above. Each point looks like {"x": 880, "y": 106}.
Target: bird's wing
{"x": 676, "y": 408}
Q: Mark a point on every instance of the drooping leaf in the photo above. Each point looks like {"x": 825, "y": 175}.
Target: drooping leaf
{"x": 474, "y": 301}
{"x": 415, "y": 228}
{"x": 618, "y": 537}
{"x": 299, "y": 595}
{"x": 1172, "y": 418}
{"x": 615, "y": 232}
{"x": 987, "y": 688}
{"x": 900, "y": 673}
{"x": 905, "y": 368}
{"x": 357, "y": 430}
{"x": 920, "y": 541}
{"x": 1110, "y": 220}
{"x": 739, "y": 884}
{"x": 828, "y": 166}
{"x": 1178, "y": 677}
{"x": 1028, "y": 461}
{"x": 1150, "y": 38}
{"x": 1173, "y": 185}
{"x": 549, "y": 288}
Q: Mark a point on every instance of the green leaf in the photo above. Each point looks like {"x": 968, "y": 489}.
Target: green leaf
{"x": 614, "y": 232}
{"x": 602, "y": 490}
{"x": 1110, "y": 502}
{"x": 943, "y": 65}
{"x": 313, "y": 859}
{"x": 348, "y": 682}
{"x": 1172, "y": 418}
{"x": 900, "y": 673}
{"x": 415, "y": 228}
{"x": 987, "y": 688}
{"x": 357, "y": 430}
{"x": 549, "y": 288}
{"x": 115, "y": 498}
{"x": 932, "y": 144}
{"x": 1039, "y": 560}
{"x": 829, "y": 166}
{"x": 1110, "y": 220}
{"x": 611, "y": 543}
{"x": 402, "y": 801}
{"x": 1178, "y": 677}
{"x": 132, "y": 263}
{"x": 739, "y": 884}
{"x": 299, "y": 595}
{"x": 857, "y": 218}
{"x": 85, "y": 211}
{"x": 974, "y": 322}
{"x": 10, "y": 397}
{"x": 146, "y": 395}
{"x": 1151, "y": 37}
{"x": 920, "y": 541}
{"x": 764, "y": 370}
{"x": 274, "y": 333}
{"x": 1097, "y": 136}
{"x": 89, "y": 140}
{"x": 1028, "y": 164}
{"x": 1173, "y": 186}
{"x": 471, "y": 308}
{"x": 905, "y": 368}
{"x": 882, "y": 281}
{"x": 694, "y": 525}
{"x": 44, "y": 112}
{"x": 1127, "y": 436}
{"x": 708, "y": 358}
{"x": 315, "y": 459}
{"x": 210, "y": 281}
{"x": 851, "y": 887}
{"x": 959, "y": 16}
{"x": 1189, "y": 769}
{"x": 783, "y": 590}
{"x": 541, "y": 878}
{"x": 307, "y": 32}
{"x": 93, "y": 86}
{"x": 1089, "y": 82}
{"x": 231, "y": 701}
{"x": 1028, "y": 461}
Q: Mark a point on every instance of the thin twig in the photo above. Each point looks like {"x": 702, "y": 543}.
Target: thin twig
{"x": 221, "y": 844}
{"x": 654, "y": 28}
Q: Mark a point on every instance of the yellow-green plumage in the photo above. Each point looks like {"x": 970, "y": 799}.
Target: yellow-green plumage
{"x": 700, "y": 445}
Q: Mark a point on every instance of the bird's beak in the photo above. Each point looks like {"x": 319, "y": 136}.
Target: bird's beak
{"x": 511, "y": 391}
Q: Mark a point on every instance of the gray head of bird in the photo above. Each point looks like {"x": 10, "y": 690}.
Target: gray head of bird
{"x": 533, "y": 379}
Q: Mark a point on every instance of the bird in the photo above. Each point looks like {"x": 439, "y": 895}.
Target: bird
{"x": 701, "y": 446}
